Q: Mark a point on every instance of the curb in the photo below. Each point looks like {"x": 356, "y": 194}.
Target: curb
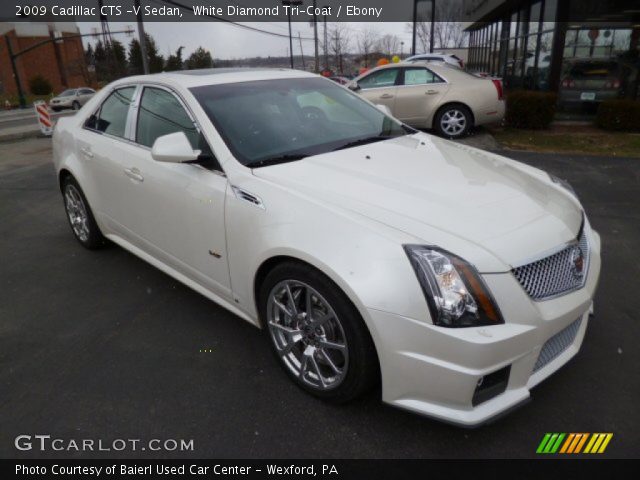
{"x": 12, "y": 137}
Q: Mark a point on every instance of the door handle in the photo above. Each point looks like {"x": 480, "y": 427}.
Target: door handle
{"x": 386, "y": 95}
{"x": 134, "y": 173}
{"x": 86, "y": 151}
{"x": 431, "y": 92}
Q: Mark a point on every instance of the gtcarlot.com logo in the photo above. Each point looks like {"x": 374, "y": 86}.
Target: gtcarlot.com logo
{"x": 46, "y": 442}
{"x": 574, "y": 443}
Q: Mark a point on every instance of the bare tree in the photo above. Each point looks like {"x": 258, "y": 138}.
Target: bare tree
{"x": 339, "y": 43}
{"x": 448, "y": 32}
{"x": 389, "y": 44}
{"x": 367, "y": 40}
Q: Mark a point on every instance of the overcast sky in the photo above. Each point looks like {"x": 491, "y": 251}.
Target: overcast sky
{"x": 228, "y": 41}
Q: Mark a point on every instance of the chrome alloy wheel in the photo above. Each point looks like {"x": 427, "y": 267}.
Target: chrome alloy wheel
{"x": 453, "y": 122}
{"x": 307, "y": 334}
{"x": 77, "y": 212}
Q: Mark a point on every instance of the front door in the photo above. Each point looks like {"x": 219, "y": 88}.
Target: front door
{"x": 175, "y": 210}
{"x": 380, "y": 87}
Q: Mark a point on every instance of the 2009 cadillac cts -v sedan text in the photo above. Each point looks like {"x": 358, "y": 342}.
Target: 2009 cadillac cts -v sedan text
{"x": 368, "y": 251}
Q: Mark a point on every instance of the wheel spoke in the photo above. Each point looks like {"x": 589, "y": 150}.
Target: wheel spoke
{"x": 303, "y": 366}
{"x": 291, "y": 300}
{"x": 279, "y": 304}
{"x": 323, "y": 319}
{"x": 286, "y": 330}
{"x": 332, "y": 345}
{"x": 308, "y": 303}
{"x": 316, "y": 367}
{"x": 327, "y": 359}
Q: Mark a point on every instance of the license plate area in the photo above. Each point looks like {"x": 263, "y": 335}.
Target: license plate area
{"x": 588, "y": 96}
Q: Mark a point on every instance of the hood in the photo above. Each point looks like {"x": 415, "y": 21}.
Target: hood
{"x": 423, "y": 185}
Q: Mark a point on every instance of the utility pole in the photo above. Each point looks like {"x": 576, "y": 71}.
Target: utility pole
{"x": 326, "y": 45}
{"x": 142, "y": 38}
{"x": 433, "y": 25}
{"x": 288, "y": 4}
{"x": 415, "y": 21}
{"x": 16, "y": 76}
{"x": 304, "y": 66}
{"x": 315, "y": 37}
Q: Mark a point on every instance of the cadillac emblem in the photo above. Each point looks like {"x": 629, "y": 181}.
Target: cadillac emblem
{"x": 576, "y": 262}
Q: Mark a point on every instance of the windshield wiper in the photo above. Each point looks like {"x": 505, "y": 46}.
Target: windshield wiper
{"x": 364, "y": 141}
{"x": 275, "y": 160}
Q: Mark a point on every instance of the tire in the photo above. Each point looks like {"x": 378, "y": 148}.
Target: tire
{"x": 75, "y": 105}
{"x": 81, "y": 219}
{"x": 453, "y": 121}
{"x": 334, "y": 319}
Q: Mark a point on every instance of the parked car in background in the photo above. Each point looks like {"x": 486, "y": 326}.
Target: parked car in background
{"x": 426, "y": 95}
{"x": 591, "y": 81}
{"x": 367, "y": 251}
{"x": 73, "y": 98}
{"x": 436, "y": 58}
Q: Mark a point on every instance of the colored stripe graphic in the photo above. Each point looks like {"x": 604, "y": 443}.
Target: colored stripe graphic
{"x": 573, "y": 443}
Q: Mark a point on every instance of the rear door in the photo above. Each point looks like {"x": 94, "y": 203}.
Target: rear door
{"x": 380, "y": 87}
{"x": 102, "y": 145}
{"x": 419, "y": 95}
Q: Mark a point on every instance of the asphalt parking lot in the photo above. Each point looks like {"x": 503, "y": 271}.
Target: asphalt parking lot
{"x": 102, "y": 345}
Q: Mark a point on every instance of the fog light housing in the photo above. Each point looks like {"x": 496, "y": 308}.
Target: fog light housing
{"x": 491, "y": 385}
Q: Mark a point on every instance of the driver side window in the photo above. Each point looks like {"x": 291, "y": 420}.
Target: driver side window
{"x": 382, "y": 78}
{"x": 160, "y": 113}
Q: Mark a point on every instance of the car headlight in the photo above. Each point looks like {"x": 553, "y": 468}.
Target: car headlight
{"x": 563, "y": 183}
{"x": 455, "y": 293}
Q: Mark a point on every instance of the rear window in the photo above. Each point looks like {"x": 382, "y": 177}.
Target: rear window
{"x": 588, "y": 70}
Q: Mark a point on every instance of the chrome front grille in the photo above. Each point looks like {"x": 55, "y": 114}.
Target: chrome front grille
{"x": 557, "y": 344}
{"x": 556, "y": 274}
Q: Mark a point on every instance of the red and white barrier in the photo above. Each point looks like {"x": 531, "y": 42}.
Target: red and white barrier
{"x": 44, "y": 117}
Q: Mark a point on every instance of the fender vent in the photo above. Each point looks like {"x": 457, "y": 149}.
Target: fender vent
{"x": 247, "y": 197}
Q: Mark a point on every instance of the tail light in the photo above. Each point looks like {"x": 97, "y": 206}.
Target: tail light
{"x": 568, "y": 83}
{"x": 461, "y": 63}
{"x": 612, "y": 83}
{"x": 498, "y": 85}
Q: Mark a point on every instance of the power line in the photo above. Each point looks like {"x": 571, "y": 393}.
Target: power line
{"x": 230, "y": 22}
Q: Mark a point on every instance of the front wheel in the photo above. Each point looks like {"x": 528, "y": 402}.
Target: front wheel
{"x": 453, "y": 121}
{"x": 75, "y": 105}
{"x": 317, "y": 334}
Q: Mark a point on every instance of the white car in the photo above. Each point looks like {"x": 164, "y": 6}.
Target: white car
{"x": 424, "y": 95}
{"x": 73, "y": 98}
{"x": 449, "y": 59}
{"x": 366, "y": 250}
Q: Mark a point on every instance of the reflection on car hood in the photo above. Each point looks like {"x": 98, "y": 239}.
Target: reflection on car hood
{"x": 420, "y": 183}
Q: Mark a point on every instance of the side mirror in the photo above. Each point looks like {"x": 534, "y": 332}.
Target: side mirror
{"x": 353, "y": 85}
{"x": 384, "y": 109}
{"x": 173, "y": 148}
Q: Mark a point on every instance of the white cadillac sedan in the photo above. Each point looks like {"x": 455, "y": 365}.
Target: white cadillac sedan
{"x": 367, "y": 251}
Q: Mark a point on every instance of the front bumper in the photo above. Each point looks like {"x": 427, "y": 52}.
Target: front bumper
{"x": 435, "y": 371}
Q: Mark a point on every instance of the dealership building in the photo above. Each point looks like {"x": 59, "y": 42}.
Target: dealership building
{"x": 584, "y": 49}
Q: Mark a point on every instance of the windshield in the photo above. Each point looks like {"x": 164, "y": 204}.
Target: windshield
{"x": 272, "y": 121}
{"x": 68, "y": 93}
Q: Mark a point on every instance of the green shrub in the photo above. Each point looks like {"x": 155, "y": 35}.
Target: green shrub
{"x": 40, "y": 85}
{"x": 620, "y": 114}
{"x": 529, "y": 109}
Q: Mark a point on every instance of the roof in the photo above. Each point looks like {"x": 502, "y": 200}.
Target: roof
{"x": 212, "y": 76}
